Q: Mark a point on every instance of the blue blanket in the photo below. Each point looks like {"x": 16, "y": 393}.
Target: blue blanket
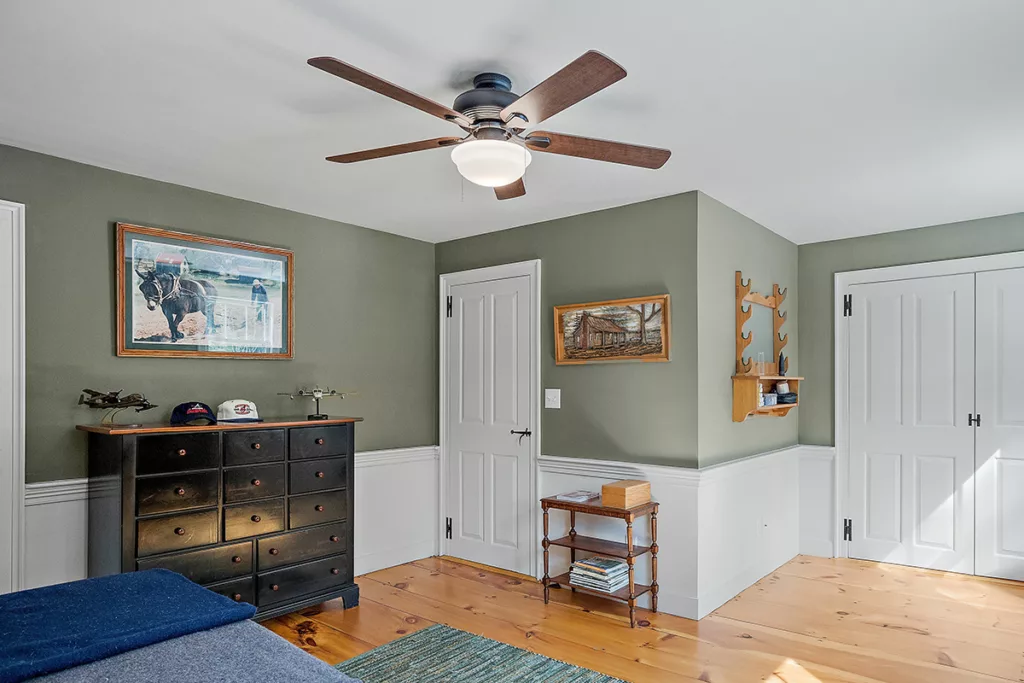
{"x": 56, "y": 627}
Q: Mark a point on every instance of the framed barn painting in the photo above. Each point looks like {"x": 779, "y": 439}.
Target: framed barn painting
{"x": 623, "y": 329}
{"x": 184, "y": 295}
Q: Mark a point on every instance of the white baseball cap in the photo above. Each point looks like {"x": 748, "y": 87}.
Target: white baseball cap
{"x": 237, "y": 410}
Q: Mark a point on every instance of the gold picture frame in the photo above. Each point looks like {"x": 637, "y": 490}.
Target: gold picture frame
{"x": 635, "y": 329}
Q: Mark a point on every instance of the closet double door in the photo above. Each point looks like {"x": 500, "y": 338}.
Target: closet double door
{"x": 936, "y": 431}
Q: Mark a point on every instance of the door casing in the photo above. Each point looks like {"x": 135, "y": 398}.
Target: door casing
{"x": 531, "y": 269}
{"x": 843, "y": 281}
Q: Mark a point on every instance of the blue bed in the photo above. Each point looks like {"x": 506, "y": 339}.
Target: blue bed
{"x": 143, "y": 626}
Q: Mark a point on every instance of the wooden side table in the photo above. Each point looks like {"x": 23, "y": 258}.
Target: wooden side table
{"x": 628, "y": 551}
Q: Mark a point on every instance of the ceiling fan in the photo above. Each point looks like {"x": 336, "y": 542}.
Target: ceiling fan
{"x": 495, "y": 152}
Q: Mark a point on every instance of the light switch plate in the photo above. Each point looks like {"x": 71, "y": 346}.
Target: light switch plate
{"x": 552, "y": 398}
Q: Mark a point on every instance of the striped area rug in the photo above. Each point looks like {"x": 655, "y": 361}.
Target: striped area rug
{"x": 443, "y": 654}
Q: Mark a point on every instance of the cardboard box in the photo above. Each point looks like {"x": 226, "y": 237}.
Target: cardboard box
{"x": 626, "y": 493}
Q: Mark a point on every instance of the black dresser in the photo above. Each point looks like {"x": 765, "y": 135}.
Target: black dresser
{"x": 259, "y": 512}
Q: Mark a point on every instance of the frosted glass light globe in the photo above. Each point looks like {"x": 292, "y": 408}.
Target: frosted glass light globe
{"x": 491, "y": 163}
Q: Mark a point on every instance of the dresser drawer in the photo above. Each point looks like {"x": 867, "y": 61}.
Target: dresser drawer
{"x": 317, "y": 508}
{"x": 176, "y": 532}
{"x": 173, "y": 492}
{"x": 300, "y": 546}
{"x": 239, "y": 590}
{"x": 306, "y": 579}
{"x": 209, "y": 565}
{"x": 308, "y": 476}
{"x": 253, "y": 519}
{"x": 252, "y": 483}
{"x": 318, "y": 442}
{"x": 176, "y": 452}
{"x": 258, "y": 445}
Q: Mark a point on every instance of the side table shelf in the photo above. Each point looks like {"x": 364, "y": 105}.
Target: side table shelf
{"x": 628, "y": 550}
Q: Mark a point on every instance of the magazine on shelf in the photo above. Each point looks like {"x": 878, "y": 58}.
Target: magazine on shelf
{"x": 598, "y": 577}
{"x": 578, "y": 496}
{"x": 602, "y": 565}
{"x": 602, "y": 586}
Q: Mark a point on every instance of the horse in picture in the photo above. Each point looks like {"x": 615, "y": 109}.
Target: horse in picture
{"x": 177, "y": 297}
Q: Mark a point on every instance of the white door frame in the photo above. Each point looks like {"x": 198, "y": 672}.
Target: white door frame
{"x": 12, "y": 496}
{"x": 843, "y": 281}
{"x": 530, "y": 269}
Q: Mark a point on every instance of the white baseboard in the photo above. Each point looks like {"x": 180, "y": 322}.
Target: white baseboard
{"x": 396, "y": 509}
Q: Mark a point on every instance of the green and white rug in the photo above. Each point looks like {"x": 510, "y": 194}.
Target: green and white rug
{"x": 443, "y": 654}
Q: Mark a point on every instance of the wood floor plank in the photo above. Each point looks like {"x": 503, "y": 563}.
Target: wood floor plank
{"x": 520, "y": 636}
{"x": 319, "y": 640}
{"x": 812, "y": 621}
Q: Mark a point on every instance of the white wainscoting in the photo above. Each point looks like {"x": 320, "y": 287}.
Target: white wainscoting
{"x": 396, "y": 513}
{"x": 818, "y": 517}
{"x": 720, "y": 528}
{"x": 396, "y": 507}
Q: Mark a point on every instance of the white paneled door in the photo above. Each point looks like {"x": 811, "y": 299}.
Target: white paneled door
{"x": 489, "y": 422}
{"x": 1000, "y": 446}
{"x": 911, "y": 448}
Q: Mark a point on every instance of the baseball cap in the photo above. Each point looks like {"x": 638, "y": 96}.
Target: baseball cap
{"x": 192, "y": 413}
{"x": 237, "y": 410}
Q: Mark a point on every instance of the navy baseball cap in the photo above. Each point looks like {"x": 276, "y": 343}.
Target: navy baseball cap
{"x": 188, "y": 414}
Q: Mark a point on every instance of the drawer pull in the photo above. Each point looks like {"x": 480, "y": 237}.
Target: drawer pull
{"x": 319, "y": 442}
{"x": 319, "y": 508}
{"x": 334, "y": 539}
{"x": 255, "y": 518}
{"x": 335, "y": 571}
{"x": 180, "y": 491}
{"x": 236, "y": 559}
{"x": 182, "y": 452}
{"x": 237, "y": 597}
{"x": 274, "y": 587}
{"x": 256, "y": 482}
{"x": 319, "y": 475}
{"x": 256, "y": 446}
{"x": 274, "y": 551}
{"x": 179, "y": 531}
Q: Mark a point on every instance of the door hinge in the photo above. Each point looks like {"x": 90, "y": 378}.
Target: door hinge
{"x": 847, "y": 305}
{"x": 973, "y": 420}
{"x": 448, "y": 313}
{"x": 847, "y": 529}
{"x": 448, "y": 527}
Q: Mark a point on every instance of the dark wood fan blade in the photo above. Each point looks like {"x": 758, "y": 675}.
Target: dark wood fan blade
{"x": 581, "y": 79}
{"x": 601, "y": 150}
{"x": 511, "y": 191}
{"x": 352, "y": 74}
{"x": 393, "y": 150}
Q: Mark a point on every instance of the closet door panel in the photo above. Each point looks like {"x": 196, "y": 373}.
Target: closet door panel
{"x": 999, "y": 457}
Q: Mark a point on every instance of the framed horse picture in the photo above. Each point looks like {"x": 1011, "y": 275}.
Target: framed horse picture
{"x": 184, "y": 295}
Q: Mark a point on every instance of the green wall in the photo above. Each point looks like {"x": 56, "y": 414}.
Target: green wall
{"x": 634, "y": 411}
{"x": 728, "y": 241}
{"x": 821, "y": 261}
{"x": 358, "y": 295}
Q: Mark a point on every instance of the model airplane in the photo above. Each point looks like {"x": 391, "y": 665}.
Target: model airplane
{"x": 113, "y": 402}
{"x": 316, "y": 393}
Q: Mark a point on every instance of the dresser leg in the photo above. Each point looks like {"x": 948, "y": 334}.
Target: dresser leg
{"x": 545, "y": 543}
{"x": 572, "y": 534}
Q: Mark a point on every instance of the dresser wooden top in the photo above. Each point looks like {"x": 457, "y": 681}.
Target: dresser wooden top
{"x": 162, "y": 428}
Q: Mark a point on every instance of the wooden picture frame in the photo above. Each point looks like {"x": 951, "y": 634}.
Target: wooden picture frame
{"x": 615, "y": 330}
{"x": 181, "y": 295}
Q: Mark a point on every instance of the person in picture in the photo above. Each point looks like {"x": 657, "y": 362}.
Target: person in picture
{"x": 259, "y": 298}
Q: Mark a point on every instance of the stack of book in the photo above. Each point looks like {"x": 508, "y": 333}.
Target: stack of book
{"x": 602, "y": 574}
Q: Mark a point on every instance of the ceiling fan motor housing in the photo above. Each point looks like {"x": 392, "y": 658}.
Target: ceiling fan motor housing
{"x": 491, "y": 93}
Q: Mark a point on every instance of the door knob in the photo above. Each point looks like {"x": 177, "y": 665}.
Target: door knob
{"x": 521, "y": 433}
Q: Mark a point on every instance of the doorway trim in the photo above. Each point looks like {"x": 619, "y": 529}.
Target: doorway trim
{"x": 841, "y": 353}
{"x": 12, "y": 500}
{"x": 532, "y": 270}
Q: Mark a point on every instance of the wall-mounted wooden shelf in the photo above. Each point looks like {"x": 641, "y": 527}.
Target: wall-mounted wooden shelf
{"x": 744, "y": 395}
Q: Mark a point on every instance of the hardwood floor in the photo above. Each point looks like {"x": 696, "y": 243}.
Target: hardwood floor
{"x": 811, "y": 620}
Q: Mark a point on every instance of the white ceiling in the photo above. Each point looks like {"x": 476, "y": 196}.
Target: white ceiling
{"x": 819, "y": 119}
